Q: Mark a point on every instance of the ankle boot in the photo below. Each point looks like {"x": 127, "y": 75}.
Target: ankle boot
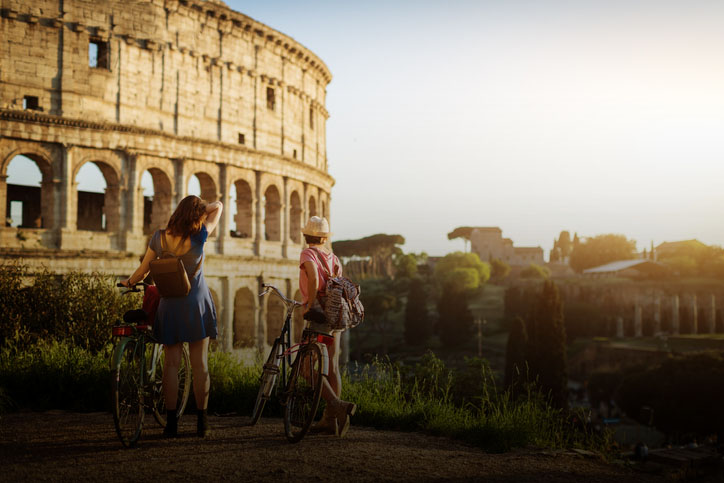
{"x": 171, "y": 429}
{"x": 327, "y": 424}
{"x": 342, "y": 410}
{"x": 202, "y": 423}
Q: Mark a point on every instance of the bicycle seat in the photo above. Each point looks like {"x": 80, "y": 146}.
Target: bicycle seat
{"x": 134, "y": 316}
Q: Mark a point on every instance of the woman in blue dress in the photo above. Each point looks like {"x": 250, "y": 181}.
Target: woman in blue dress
{"x": 191, "y": 318}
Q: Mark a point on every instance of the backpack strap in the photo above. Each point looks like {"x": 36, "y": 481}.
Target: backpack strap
{"x": 320, "y": 258}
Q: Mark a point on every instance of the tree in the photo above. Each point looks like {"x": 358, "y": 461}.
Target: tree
{"x": 370, "y": 256}
{"x": 379, "y": 303}
{"x": 535, "y": 271}
{"x": 456, "y": 321}
{"x": 462, "y": 271}
{"x": 546, "y": 349}
{"x": 405, "y": 265}
{"x": 515, "y": 357}
{"x": 418, "y": 325}
{"x": 562, "y": 247}
{"x": 499, "y": 269}
{"x": 464, "y": 232}
{"x": 601, "y": 249}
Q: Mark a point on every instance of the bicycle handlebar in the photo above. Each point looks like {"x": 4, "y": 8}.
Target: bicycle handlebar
{"x": 133, "y": 288}
{"x": 271, "y": 288}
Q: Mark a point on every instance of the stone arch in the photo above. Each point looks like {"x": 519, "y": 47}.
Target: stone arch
{"x": 37, "y": 201}
{"x": 312, "y": 207}
{"x": 275, "y": 312}
{"x": 157, "y": 209}
{"x": 87, "y": 210}
{"x": 244, "y": 319}
{"x": 209, "y": 191}
{"x": 244, "y": 217}
{"x": 272, "y": 214}
{"x": 297, "y": 320}
{"x": 325, "y": 212}
{"x": 295, "y": 218}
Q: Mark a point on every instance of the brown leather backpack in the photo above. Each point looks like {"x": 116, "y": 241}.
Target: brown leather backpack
{"x": 169, "y": 273}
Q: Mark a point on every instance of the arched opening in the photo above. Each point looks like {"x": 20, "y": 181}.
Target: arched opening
{"x": 241, "y": 209}
{"x": 24, "y": 206}
{"x": 324, "y": 210}
{"x": 295, "y": 218}
{"x": 274, "y": 319}
{"x": 272, "y": 214}
{"x": 97, "y": 197}
{"x": 244, "y": 319}
{"x": 203, "y": 186}
{"x": 157, "y": 196}
{"x": 312, "y": 207}
{"x": 297, "y": 321}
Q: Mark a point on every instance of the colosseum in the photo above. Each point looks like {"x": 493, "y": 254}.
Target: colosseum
{"x": 162, "y": 98}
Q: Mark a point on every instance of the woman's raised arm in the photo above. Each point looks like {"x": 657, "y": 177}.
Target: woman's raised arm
{"x": 213, "y": 215}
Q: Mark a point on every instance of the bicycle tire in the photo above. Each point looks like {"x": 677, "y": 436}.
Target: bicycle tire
{"x": 267, "y": 381}
{"x": 126, "y": 392}
{"x": 304, "y": 392}
{"x": 158, "y": 401}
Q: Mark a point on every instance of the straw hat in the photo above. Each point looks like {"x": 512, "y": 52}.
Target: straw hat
{"x": 317, "y": 226}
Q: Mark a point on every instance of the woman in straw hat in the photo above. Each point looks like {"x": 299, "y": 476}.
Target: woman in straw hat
{"x": 316, "y": 263}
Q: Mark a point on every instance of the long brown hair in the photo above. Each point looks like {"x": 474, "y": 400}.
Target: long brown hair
{"x": 186, "y": 219}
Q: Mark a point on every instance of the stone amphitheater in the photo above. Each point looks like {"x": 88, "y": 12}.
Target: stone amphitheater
{"x": 164, "y": 90}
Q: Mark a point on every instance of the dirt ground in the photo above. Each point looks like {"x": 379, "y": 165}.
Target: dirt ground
{"x": 65, "y": 446}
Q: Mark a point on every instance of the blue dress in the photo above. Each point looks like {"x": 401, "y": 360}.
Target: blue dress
{"x": 190, "y": 318}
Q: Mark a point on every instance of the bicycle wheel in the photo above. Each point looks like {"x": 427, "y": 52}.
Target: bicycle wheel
{"x": 303, "y": 393}
{"x": 158, "y": 402}
{"x": 126, "y": 391}
{"x": 267, "y": 381}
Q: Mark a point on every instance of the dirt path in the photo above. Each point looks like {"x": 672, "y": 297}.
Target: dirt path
{"x": 65, "y": 446}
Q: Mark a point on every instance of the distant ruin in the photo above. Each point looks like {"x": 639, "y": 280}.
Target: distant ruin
{"x": 160, "y": 92}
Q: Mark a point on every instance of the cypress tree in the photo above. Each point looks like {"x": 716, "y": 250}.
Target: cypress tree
{"x": 515, "y": 358}
{"x": 456, "y": 321}
{"x": 547, "y": 345}
{"x": 418, "y": 325}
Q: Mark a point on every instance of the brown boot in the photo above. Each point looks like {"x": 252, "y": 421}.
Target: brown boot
{"x": 342, "y": 410}
{"x": 327, "y": 424}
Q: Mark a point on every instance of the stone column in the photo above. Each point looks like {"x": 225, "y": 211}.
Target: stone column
{"x": 285, "y": 218}
{"x": 226, "y": 332}
{"x": 638, "y": 330}
{"x": 261, "y": 319}
{"x": 259, "y": 225}
{"x": 694, "y": 315}
{"x": 3, "y": 199}
{"x": 619, "y": 327}
{"x": 711, "y": 320}
{"x": 179, "y": 187}
{"x": 657, "y": 314}
{"x": 675, "y": 315}
{"x": 224, "y": 222}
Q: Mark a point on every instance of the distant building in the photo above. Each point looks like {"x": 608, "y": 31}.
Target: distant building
{"x": 488, "y": 243}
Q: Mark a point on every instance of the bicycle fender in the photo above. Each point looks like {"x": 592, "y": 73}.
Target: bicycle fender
{"x": 118, "y": 352}
{"x": 325, "y": 361}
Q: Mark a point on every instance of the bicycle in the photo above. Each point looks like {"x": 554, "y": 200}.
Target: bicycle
{"x": 302, "y": 382}
{"x": 137, "y": 376}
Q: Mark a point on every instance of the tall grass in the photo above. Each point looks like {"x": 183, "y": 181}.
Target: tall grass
{"x": 58, "y": 375}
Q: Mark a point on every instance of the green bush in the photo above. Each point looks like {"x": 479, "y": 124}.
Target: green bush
{"x": 74, "y": 307}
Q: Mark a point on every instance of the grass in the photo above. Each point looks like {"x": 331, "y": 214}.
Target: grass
{"x": 56, "y": 375}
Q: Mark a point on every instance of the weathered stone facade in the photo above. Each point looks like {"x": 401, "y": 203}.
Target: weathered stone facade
{"x": 177, "y": 89}
{"x": 488, "y": 243}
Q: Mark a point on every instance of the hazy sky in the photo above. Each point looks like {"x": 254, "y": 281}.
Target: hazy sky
{"x": 534, "y": 116}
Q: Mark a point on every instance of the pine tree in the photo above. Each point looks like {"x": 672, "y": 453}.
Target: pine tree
{"x": 418, "y": 325}
{"x": 456, "y": 321}
{"x": 547, "y": 345}
{"x": 515, "y": 357}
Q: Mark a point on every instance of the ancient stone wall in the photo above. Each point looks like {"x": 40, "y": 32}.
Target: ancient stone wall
{"x": 175, "y": 89}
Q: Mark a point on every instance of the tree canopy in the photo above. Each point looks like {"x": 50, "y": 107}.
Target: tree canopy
{"x": 376, "y": 253}
{"x": 601, "y": 249}
{"x": 462, "y": 271}
{"x": 461, "y": 232}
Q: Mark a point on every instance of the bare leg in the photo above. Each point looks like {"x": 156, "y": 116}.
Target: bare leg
{"x": 171, "y": 362}
{"x": 335, "y": 377}
{"x": 199, "y": 354}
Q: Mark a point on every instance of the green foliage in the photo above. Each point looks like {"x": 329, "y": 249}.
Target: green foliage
{"x": 535, "y": 271}
{"x": 463, "y": 271}
{"x": 418, "y": 324}
{"x": 76, "y": 307}
{"x": 461, "y": 232}
{"x": 370, "y": 246}
{"x": 562, "y": 247}
{"x": 516, "y": 366}
{"x": 455, "y": 325}
{"x": 499, "y": 269}
{"x": 685, "y": 393}
{"x": 601, "y": 249}
{"x": 546, "y": 351}
{"x": 405, "y": 265}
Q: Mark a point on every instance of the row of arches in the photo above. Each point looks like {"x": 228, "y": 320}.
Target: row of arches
{"x": 245, "y": 317}
{"x": 95, "y": 191}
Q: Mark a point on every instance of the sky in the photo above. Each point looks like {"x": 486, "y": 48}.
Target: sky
{"x": 534, "y": 116}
